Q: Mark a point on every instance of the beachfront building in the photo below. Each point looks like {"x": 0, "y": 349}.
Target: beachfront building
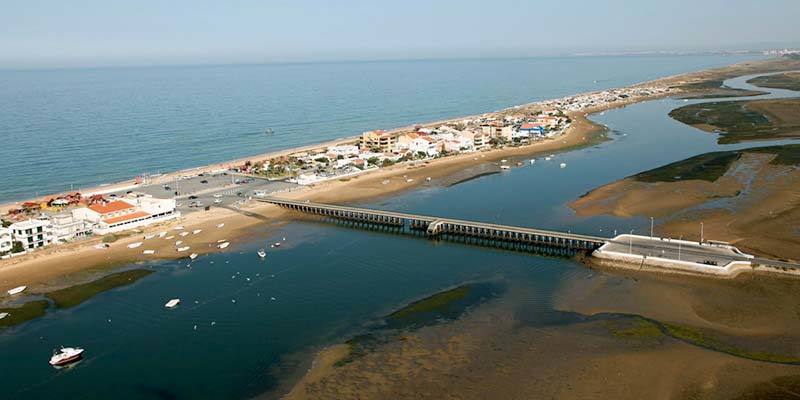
{"x": 531, "y": 129}
{"x": 119, "y": 215}
{"x": 33, "y": 233}
{"x": 425, "y": 144}
{"x": 378, "y": 141}
{"x": 343, "y": 150}
{"x": 6, "y": 241}
{"x": 66, "y": 227}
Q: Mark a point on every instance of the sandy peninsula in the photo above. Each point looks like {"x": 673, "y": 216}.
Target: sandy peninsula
{"x": 62, "y": 265}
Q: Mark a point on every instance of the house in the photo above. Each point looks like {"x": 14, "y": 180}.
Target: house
{"x": 343, "y": 151}
{"x": 480, "y": 140}
{"x": 33, "y": 233}
{"x": 425, "y": 145}
{"x": 6, "y": 241}
{"x": 66, "y": 227}
{"x": 404, "y": 141}
{"x": 531, "y": 129}
{"x": 378, "y": 140}
{"x": 120, "y": 215}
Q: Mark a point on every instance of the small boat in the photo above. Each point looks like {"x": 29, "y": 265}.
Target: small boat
{"x": 196, "y": 231}
{"x": 162, "y": 234}
{"x": 261, "y": 253}
{"x": 179, "y": 242}
{"x": 192, "y": 256}
{"x": 277, "y": 244}
{"x": 505, "y": 167}
{"x": 178, "y": 228}
{"x": 385, "y": 182}
{"x": 184, "y": 248}
{"x": 134, "y": 245}
{"x": 4, "y": 314}
{"x": 148, "y": 237}
{"x": 504, "y": 161}
{"x": 563, "y": 165}
{"x": 220, "y": 225}
{"x": 221, "y": 240}
{"x": 223, "y": 245}
{"x": 547, "y": 158}
{"x": 428, "y": 179}
{"x": 217, "y": 201}
{"x": 183, "y": 234}
{"x": 67, "y": 355}
{"x": 170, "y": 237}
{"x": 172, "y": 303}
{"x": 409, "y": 180}
{"x": 149, "y": 252}
{"x": 17, "y": 290}
{"x": 533, "y": 161}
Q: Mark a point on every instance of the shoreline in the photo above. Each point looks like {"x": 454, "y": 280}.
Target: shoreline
{"x": 42, "y": 269}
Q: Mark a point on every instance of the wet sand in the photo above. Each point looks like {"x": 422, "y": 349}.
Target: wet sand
{"x": 491, "y": 353}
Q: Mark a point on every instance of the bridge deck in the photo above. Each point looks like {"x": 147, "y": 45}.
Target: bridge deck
{"x": 431, "y": 219}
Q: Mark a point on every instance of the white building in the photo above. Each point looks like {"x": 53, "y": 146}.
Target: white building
{"x": 6, "y": 242}
{"x": 344, "y": 150}
{"x": 131, "y": 213}
{"x": 33, "y": 233}
{"x": 425, "y": 145}
{"x": 66, "y": 226}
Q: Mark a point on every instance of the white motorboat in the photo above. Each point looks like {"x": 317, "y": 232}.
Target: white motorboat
{"x": 148, "y": 237}
{"x": 184, "y": 248}
{"x": 196, "y": 231}
{"x": 533, "y": 161}
{"x": 217, "y": 201}
{"x": 67, "y": 355}
{"x": 192, "y": 256}
{"x": 170, "y": 237}
{"x": 172, "y": 303}
{"x": 277, "y": 244}
{"x": 149, "y": 252}
{"x": 17, "y": 290}
{"x": 261, "y": 253}
{"x": 183, "y": 234}
{"x": 504, "y": 161}
{"x": 134, "y": 245}
{"x": 220, "y": 225}
{"x": 162, "y": 234}
{"x": 563, "y": 165}
{"x": 179, "y": 242}
{"x": 4, "y": 314}
{"x": 547, "y": 158}
{"x": 505, "y": 167}
{"x": 223, "y": 245}
{"x": 178, "y": 228}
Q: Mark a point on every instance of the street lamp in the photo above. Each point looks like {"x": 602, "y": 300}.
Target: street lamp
{"x": 630, "y": 242}
{"x": 701, "y": 232}
{"x": 651, "y": 227}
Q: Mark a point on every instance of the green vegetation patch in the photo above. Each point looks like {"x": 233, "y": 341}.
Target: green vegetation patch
{"x": 438, "y": 301}
{"x": 711, "y": 88}
{"x": 636, "y": 328}
{"x": 74, "y": 295}
{"x": 707, "y": 167}
{"x": 711, "y": 166}
{"x": 698, "y": 338}
{"x": 789, "y": 81}
{"x": 26, "y": 312}
{"x": 735, "y": 122}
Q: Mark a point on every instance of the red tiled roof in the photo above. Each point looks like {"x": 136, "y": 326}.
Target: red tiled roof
{"x": 113, "y": 206}
{"x": 126, "y": 217}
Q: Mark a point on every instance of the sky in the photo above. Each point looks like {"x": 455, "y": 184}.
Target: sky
{"x": 58, "y": 33}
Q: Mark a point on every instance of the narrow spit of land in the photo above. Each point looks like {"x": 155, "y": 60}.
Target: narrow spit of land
{"x": 60, "y": 266}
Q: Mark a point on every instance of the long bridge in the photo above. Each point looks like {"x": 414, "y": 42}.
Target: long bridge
{"x": 446, "y": 227}
{"x": 534, "y": 240}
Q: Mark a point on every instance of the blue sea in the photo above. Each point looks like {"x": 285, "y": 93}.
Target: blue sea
{"x": 74, "y": 128}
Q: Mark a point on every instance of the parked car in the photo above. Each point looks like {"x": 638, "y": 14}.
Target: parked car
{"x": 204, "y": 181}
{"x": 192, "y": 197}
